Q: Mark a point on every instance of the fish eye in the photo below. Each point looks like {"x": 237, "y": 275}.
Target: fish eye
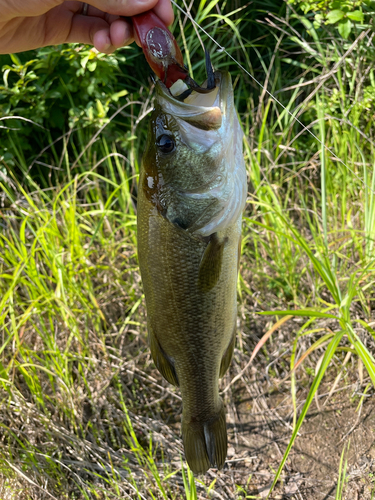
{"x": 165, "y": 143}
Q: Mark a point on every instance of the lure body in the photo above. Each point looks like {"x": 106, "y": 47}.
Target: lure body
{"x": 160, "y": 48}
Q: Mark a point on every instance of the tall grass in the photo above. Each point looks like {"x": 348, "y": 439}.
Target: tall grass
{"x": 83, "y": 410}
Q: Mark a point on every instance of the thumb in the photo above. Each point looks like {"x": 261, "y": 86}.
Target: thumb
{"x": 35, "y": 8}
{"x": 123, "y": 7}
{"x": 163, "y": 8}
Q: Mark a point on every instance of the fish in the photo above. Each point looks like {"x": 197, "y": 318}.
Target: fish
{"x": 191, "y": 195}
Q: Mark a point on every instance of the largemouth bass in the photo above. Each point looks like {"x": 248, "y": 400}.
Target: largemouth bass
{"x": 192, "y": 192}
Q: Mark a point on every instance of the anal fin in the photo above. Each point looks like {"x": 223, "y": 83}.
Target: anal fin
{"x": 162, "y": 361}
{"x": 227, "y": 357}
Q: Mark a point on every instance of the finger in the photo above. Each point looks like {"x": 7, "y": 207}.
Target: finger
{"x": 120, "y": 33}
{"x": 94, "y": 12}
{"x": 163, "y": 9}
{"x": 32, "y": 8}
{"x": 83, "y": 29}
{"x": 123, "y": 7}
{"x": 35, "y": 8}
{"x": 102, "y": 41}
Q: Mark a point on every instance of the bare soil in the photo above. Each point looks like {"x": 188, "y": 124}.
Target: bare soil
{"x": 261, "y": 432}
{"x": 260, "y": 423}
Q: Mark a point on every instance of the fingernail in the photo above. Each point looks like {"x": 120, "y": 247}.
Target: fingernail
{"x": 127, "y": 41}
{"x": 107, "y": 44}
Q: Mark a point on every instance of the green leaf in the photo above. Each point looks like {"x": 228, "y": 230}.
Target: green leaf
{"x": 345, "y": 27}
{"x": 363, "y": 353}
{"x": 356, "y": 16}
{"x": 84, "y": 61}
{"x": 115, "y": 97}
{"x": 15, "y": 59}
{"x": 300, "y": 312}
{"x": 365, "y": 325}
{"x": 334, "y": 16}
{"x": 91, "y": 66}
{"x": 317, "y": 21}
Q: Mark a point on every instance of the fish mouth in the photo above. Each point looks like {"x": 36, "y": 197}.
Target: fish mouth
{"x": 205, "y": 110}
{"x": 218, "y": 197}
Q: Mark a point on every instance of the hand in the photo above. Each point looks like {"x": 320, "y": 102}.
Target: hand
{"x": 26, "y": 25}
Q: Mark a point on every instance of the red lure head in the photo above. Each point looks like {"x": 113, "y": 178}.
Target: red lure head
{"x": 160, "y": 48}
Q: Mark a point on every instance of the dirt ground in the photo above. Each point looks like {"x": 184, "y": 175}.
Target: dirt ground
{"x": 260, "y": 419}
{"x": 259, "y": 428}
{"x": 261, "y": 431}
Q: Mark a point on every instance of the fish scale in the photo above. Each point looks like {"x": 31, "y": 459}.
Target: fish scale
{"x": 193, "y": 328}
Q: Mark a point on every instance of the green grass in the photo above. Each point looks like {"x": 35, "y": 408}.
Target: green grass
{"x": 342, "y": 472}
{"x": 84, "y": 413}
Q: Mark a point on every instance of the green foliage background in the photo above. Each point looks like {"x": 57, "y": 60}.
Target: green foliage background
{"x": 74, "y": 360}
{"x": 67, "y": 87}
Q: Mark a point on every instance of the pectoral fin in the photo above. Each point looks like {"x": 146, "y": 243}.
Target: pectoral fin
{"x": 162, "y": 361}
{"x": 210, "y": 266}
{"x": 227, "y": 358}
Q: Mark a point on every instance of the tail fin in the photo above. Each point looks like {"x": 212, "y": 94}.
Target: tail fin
{"x": 205, "y": 443}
